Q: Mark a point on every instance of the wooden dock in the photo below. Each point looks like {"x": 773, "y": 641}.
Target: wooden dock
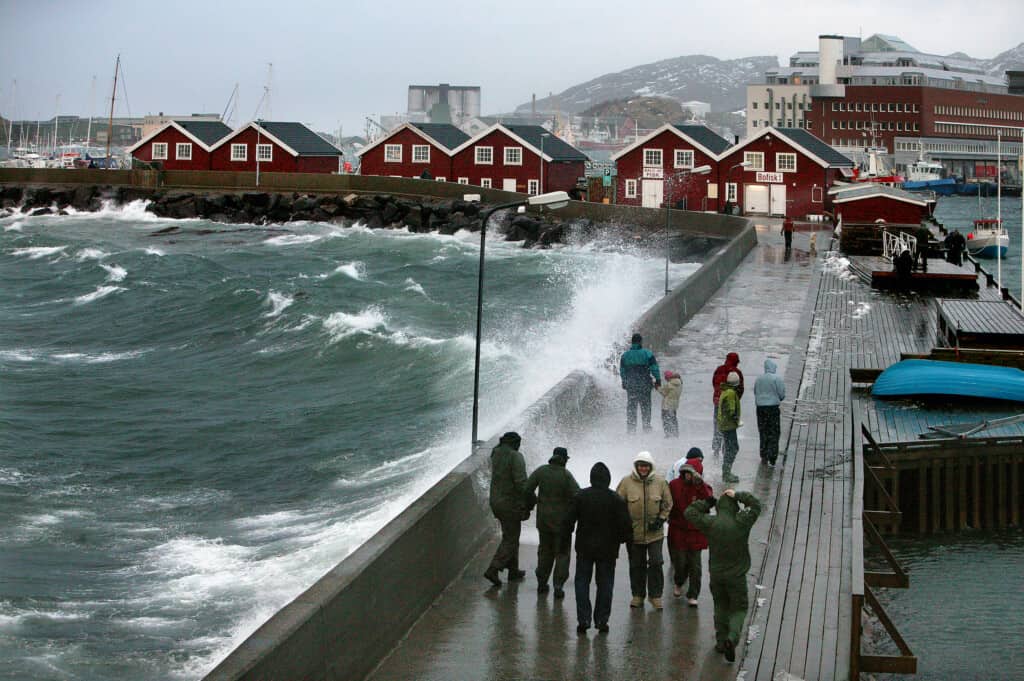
{"x": 941, "y": 275}
{"x": 992, "y": 324}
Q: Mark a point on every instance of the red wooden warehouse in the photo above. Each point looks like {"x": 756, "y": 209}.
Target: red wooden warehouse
{"x": 866, "y": 202}
{"x": 281, "y": 147}
{"x": 179, "y": 145}
{"x": 411, "y": 149}
{"x": 518, "y": 158}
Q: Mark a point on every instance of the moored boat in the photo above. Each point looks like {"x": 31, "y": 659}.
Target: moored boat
{"x": 958, "y": 379}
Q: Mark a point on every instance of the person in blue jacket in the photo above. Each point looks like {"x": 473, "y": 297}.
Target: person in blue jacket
{"x": 769, "y": 391}
{"x": 639, "y": 372}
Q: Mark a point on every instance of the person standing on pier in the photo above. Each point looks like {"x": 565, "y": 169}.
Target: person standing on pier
{"x": 728, "y": 533}
{"x": 955, "y": 245}
{"x": 639, "y": 372}
{"x": 728, "y": 423}
{"x": 787, "y": 233}
{"x": 602, "y": 523}
{"x": 685, "y": 542}
{"x": 732, "y": 363}
{"x": 693, "y": 453}
{"x": 649, "y": 501}
{"x": 671, "y": 390}
{"x": 552, "y": 488}
{"x": 769, "y": 391}
{"x": 924, "y": 237}
{"x": 508, "y": 503}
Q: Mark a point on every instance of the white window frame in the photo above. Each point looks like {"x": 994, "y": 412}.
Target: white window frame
{"x": 781, "y": 165}
{"x": 417, "y": 149}
{"x": 392, "y": 153}
{"x": 682, "y": 154}
{"x": 631, "y": 186}
{"x": 509, "y": 157}
{"x": 479, "y": 156}
{"x": 239, "y": 152}
{"x": 649, "y": 158}
{"x": 441, "y": 179}
{"x": 533, "y": 187}
{"x": 158, "y": 151}
{"x": 485, "y": 182}
{"x": 269, "y": 157}
{"x": 731, "y": 192}
{"x": 183, "y": 146}
{"x": 756, "y": 159}
{"x": 463, "y": 180}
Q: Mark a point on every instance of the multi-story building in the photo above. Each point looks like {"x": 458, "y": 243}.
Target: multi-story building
{"x": 443, "y": 103}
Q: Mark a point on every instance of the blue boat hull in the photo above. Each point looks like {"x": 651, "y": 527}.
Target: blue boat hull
{"x": 944, "y": 187}
{"x": 928, "y": 377}
{"x": 989, "y": 252}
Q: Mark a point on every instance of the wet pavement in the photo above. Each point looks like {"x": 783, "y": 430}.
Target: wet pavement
{"x": 474, "y": 631}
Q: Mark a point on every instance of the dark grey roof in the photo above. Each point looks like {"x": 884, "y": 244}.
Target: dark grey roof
{"x": 210, "y": 132}
{"x": 554, "y": 147}
{"x": 704, "y": 136}
{"x": 814, "y": 145}
{"x": 304, "y": 141}
{"x": 445, "y": 134}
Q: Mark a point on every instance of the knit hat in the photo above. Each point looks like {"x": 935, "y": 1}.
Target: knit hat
{"x": 695, "y": 453}
{"x": 637, "y": 338}
{"x": 669, "y": 375}
{"x": 733, "y": 378}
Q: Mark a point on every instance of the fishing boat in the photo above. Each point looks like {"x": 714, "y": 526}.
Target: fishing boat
{"x": 988, "y": 239}
{"x": 875, "y": 170}
{"x": 956, "y": 379}
{"x": 925, "y": 175}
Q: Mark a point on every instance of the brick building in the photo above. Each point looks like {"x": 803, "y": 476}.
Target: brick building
{"x": 283, "y": 147}
{"x": 520, "y": 158}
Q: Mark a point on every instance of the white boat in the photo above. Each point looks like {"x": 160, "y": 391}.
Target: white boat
{"x": 988, "y": 239}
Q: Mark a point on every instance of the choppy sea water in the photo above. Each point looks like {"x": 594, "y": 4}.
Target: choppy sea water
{"x": 961, "y": 212}
{"x": 195, "y": 427}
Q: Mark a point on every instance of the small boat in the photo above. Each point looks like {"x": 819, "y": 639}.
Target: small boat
{"x": 957, "y": 379}
{"x": 927, "y": 176}
{"x": 988, "y": 239}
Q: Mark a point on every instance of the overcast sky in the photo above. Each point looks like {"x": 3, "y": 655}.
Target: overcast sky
{"x": 339, "y": 61}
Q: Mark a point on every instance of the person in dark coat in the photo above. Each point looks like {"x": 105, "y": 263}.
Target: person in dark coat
{"x": 602, "y": 523}
{"x": 552, "y": 488}
{"x": 426, "y": 174}
{"x": 639, "y": 372}
{"x": 732, "y": 363}
{"x": 508, "y": 503}
{"x": 685, "y": 542}
{"x": 787, "y": 233}
{"x": 903, "y": 264}
{"x": 924, "y": 236}
{"x": 955, "y": 244}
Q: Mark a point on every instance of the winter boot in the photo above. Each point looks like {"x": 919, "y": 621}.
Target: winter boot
{"x": 727, "y": 475}
{"x": 637, "y": 602}
{"x": 656, "y": 602}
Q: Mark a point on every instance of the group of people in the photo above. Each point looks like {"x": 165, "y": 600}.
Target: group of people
{"x": 635, "y": 514}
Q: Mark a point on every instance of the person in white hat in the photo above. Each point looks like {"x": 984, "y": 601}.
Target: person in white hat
{"x": 649, "y": 502}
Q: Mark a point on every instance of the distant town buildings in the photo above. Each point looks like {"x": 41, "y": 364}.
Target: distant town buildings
{"x": 443, "y": 103}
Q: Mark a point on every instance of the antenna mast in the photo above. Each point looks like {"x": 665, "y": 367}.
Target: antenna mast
{"x": 270, "y": 83}
{"x": 110, "y": 121}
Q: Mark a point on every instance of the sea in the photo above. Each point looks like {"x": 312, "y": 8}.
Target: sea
{"x": 961, "y": 212}
{"x": 194, "y": 427}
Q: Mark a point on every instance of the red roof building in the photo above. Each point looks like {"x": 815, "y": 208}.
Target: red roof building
{"x": 411, "y": 149}
{"x": 518, "y": 158}
{"x": 180, "y": 145}
{"x": 282, "y": 147}
{"x": 866, "y": 202}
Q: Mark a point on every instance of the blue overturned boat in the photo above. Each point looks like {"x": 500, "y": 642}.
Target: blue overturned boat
{"x": 956, "y": 379}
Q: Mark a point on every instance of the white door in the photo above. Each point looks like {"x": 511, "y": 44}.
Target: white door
{"x": 509, "y": 184}
{"x": 755, "y": 199}
{"x": 778, "y": 199}
{"x": 652, "y": 193}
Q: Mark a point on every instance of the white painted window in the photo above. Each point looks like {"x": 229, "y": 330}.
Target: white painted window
{"x": 652, "y": 157}
{"x": 463, "y": 180}
{"x": 785, "y": 163}
{"x": 392, "y": 153}
{"x": 485, "y": 182}
{"x": 630, "y": 189}
{"x": 442, "y": 179}
{"x": 264, "y": 152}
{"x": 755, "y": 159}
{"x": 421, "y": 153}
{"x": 684, "y": 158}
{"x": 159, "y": 150}
{"x": 730, "y": 192}
{"x": 183, "y": 151}
{"x": 513, "y": 156}
{"x": 239, "y": 152}
{"x": 485, "y": 156}
{"x": 533, "y": 187}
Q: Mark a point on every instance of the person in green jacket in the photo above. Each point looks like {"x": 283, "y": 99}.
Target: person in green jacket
{"x": 551, "y": 487}
{"x": 728, "y": 534}
{"x": 508, "y": 504}
{"x": 728, "y": 422}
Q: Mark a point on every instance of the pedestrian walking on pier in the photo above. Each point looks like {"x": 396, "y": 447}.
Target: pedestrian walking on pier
{"x": 639, "y": 372}
{"x": 685, "y": 541}
{"x": 552, "y": 488}
{"x": 728, "y": 533}
{"x": 769, "y": 392}
{"x": 732, "y": 364}
{"x": 787, "y": 233}
{"x": 728, "y": 423}
{"x": 671, "y": 390}
{"x": 649, "y": 501}
{"x": 602, "y": 523}
{"x": 508, "y": 503}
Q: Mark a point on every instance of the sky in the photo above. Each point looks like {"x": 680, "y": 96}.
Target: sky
{"x": 337, "y": 62}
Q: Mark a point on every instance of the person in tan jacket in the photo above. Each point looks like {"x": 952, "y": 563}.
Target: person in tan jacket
{"x": 649, "y": 501}
{"x": 671, "y": 390}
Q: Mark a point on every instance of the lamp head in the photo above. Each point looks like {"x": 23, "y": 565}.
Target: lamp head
{"x": 551, "y": 200}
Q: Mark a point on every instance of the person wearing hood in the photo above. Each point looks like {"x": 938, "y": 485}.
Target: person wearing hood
{"x": 732, "y": 364}
{"x": 685, "y": 542}
{"x": 728, "y": 534}
{"x": 728, "y": 423}
{"x": 693, "y": 453}
{"x": 649, "y": 501}
{"x": 638, "y": 369}
{"x": 602, "y": 523}
{"x": 551, "y": 488}
{"x": 769, "y": 392}
{"x": 508, "y": 503}
{"x": 671, "y": 390}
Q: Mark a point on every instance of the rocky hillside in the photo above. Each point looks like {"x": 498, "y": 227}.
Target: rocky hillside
{"x": 1011, "y": 60}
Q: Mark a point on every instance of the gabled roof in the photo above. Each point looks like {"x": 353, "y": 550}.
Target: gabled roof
{"x": 295, "y": 138}
{"x": 530, "y": 136}
{"x": 869, "y": 190}
{"x": 445, "y": 136}
{"x": 700, "y": 136}
{"x": 204, "y": 133}
{"x": 803, "y": 141}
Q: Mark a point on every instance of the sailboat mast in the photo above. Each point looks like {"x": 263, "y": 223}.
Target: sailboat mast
{"x": 10, "y": 123}
{"x": 110, "y": 121}
{"x": 88, "y": 130}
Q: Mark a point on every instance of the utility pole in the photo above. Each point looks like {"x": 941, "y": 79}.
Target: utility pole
{"x": 110, "y": 121}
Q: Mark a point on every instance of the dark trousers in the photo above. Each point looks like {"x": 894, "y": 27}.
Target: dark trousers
{"x": 605, "y": 573}
{"x": 731, "y": 445}
{"x": 686, "y": 570}
{"x": 730, "y": 608}
{"x": 553, "y": 552}
{"x": 769, "y": 429}
{"x": 670, "y": 423}
{"x": 507, "y": 555}
{"x": 645, "y": 575}
{"x": 955, "y": 257}
{"x": 788, "y": 236}
{"x": 635, "y": 398}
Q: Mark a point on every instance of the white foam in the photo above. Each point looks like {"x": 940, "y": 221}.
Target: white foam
{"x": 341, "y": 325}
{"x": 11, "y": 476}
{"x": 278, "y": 303}
{"x": 17, "y": 355}
{"x": 90, "y": 254}
{"x": 115, "y": 272}
{"x": 861, "y": 310}
{"x": 99, "y": 358}
{"x": 354, "y": 270}
{"x": 838, "y": 266}
{"x": 14, "y": 226}
{"x": 133, "y": 211}
{"x": 411, "y": 285}
{"x": 100, "y": 292}
{"x": 37, "y": 252}
{"x": 154, "y": 251}
{"x": 292, "y": 239}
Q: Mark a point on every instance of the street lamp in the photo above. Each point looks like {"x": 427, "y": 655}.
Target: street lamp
{"x": 669, "y": 180}
{"x": 553, "y": 201}
{"x": 741, "y": 164}
{"x": 540, "y": 187}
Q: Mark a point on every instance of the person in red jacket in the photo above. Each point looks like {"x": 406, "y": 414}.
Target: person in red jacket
{"x": 732, "y": 363}
{"x": 685, "y": 542}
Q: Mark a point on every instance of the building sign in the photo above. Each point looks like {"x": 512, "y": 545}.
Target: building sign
{"x": 653, "y": 173}
{"x": 770, "y": 178}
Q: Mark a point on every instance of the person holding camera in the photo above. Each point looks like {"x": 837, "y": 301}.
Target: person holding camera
{"x": 649, "y": 502}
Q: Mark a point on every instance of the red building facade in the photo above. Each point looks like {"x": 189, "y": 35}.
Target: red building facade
{"x": 175, "y": 147}
{"x": 509, "y": 158}
{"x": 407, "y": 152}
{"x": 864, "y": 205}
{"x": 294, "y": 149}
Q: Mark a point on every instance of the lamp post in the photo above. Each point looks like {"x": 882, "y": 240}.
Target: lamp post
{"x": 728, "y": 175}
{"x": 554, "y": 201}
{"x": 540, "y": 187}
{"x": 669, "y": 181}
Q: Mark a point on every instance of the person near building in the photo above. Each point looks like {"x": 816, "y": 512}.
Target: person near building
{"x": 639, "y": 372}
{"x": 732, "y": 363}
{"x": 671, "y": 390}
{"x": 924, "y": 236}
{"x": 685, "y": 541}
{"x": 728, "y": 535}
{"x": 955, "y": 244}
{"x": 426, "y": 174}
{"x": 508, "y": 504}
{"x": 649, "y": 502}
{"x": 551, "y": 488}
{"x": 729, "y": 423}
{"x": 787, "y": 232}
{"x": 769, "y": 392}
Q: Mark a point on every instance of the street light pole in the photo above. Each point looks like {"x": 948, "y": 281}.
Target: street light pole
{"x": 728, "y": 176}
